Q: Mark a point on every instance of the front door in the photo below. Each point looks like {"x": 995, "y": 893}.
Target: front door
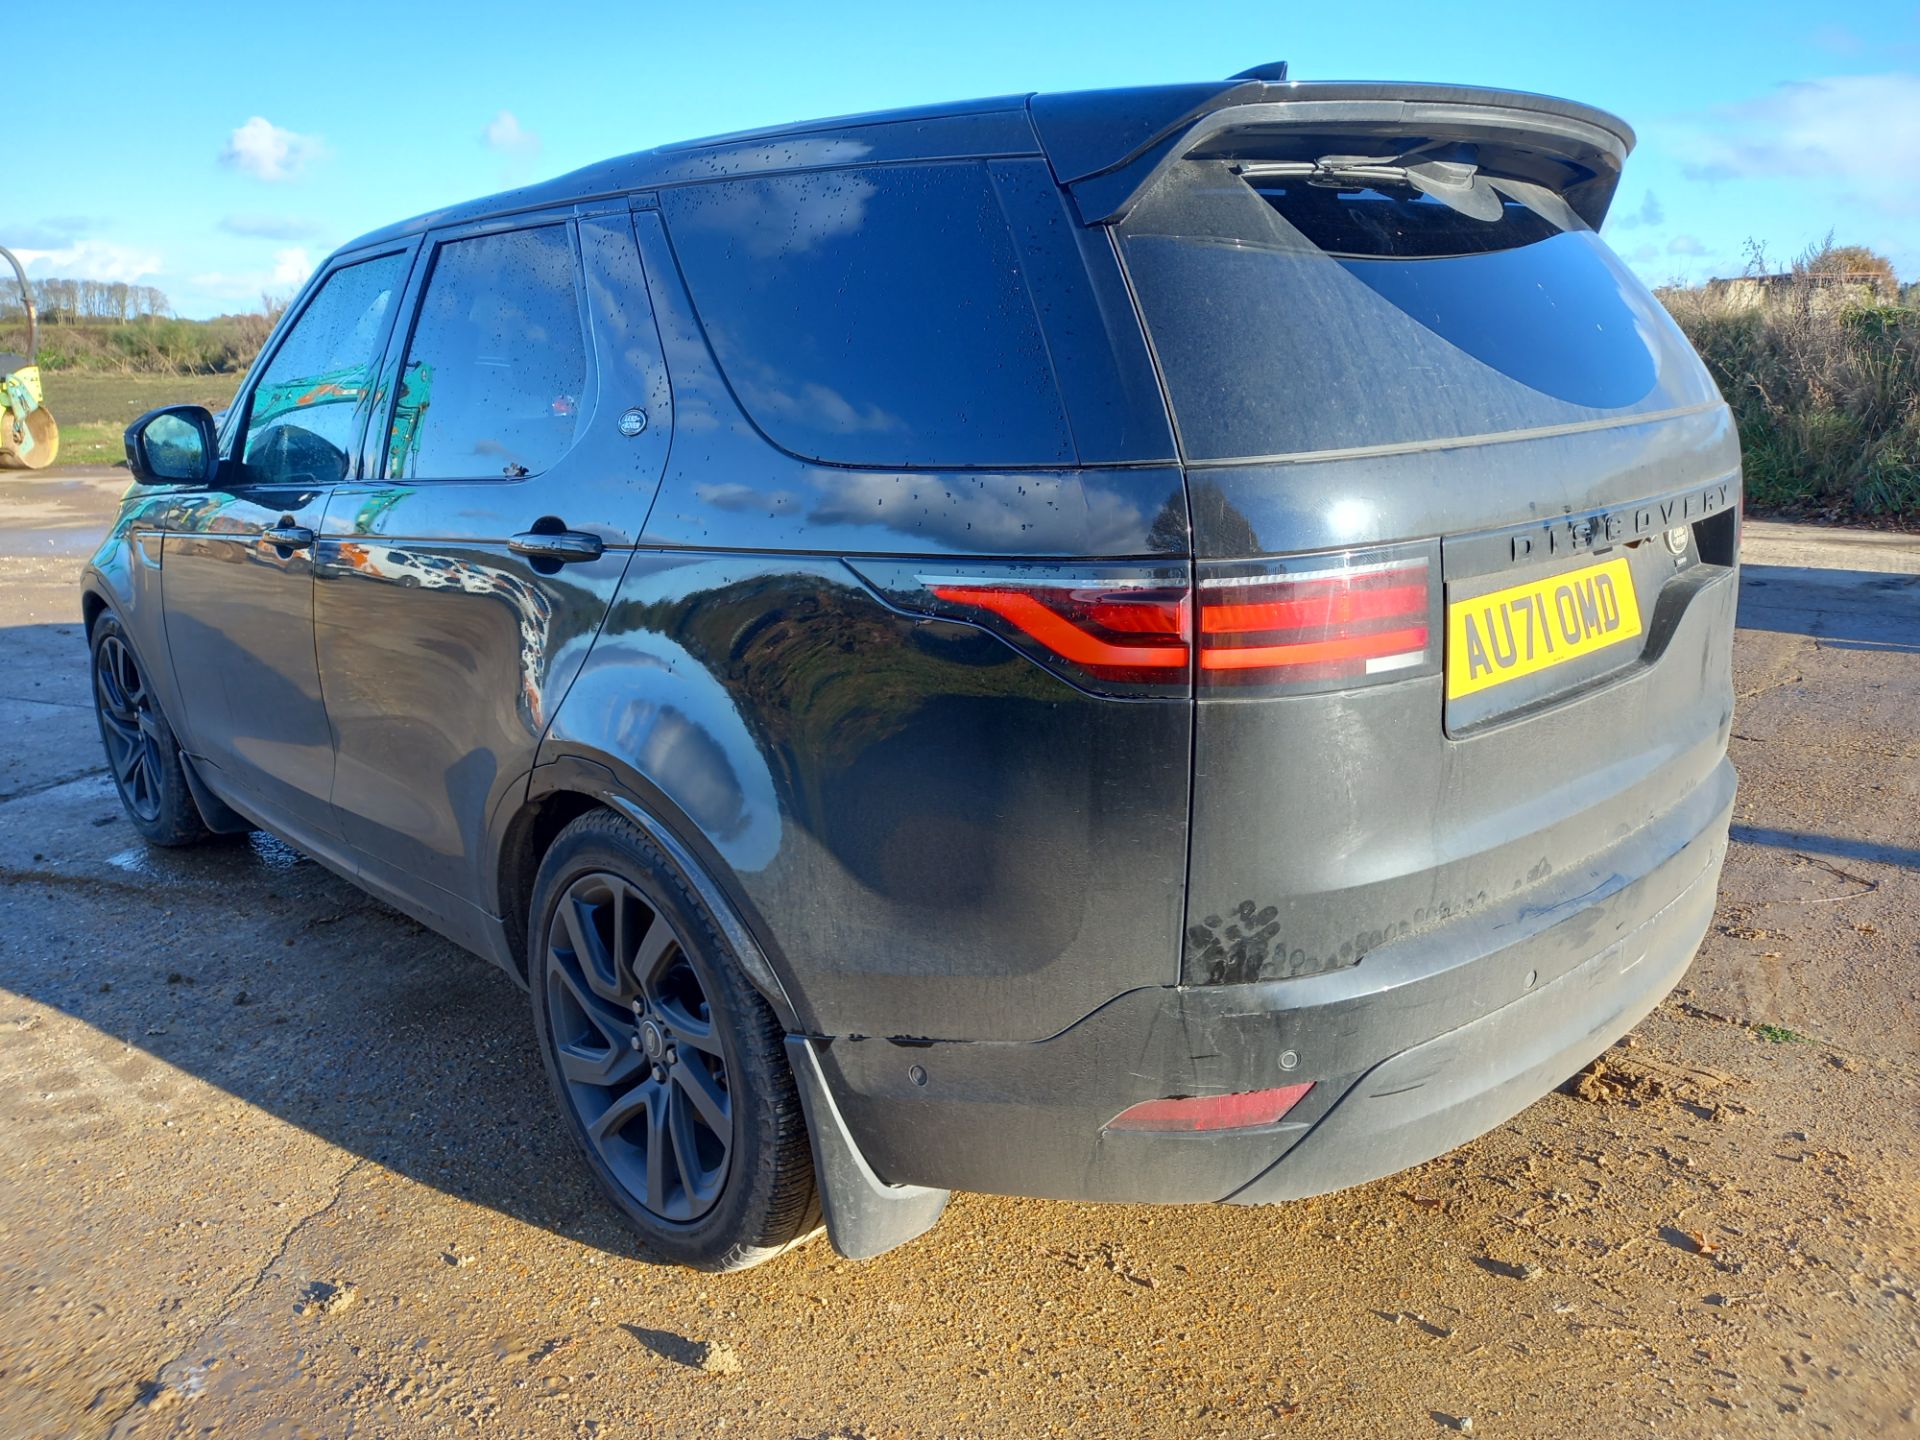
{"x": 237, "y": 561}
{"x": 460, "y": 588}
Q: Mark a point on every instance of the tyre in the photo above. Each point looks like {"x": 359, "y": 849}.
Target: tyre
{"x": 665, "y": 1061}
{"x": 142, "y": 754}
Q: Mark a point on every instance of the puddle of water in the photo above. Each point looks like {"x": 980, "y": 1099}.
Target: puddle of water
{"x": 274, "y": 854}
{"x": 261, "y": 851}
{"x": 135, "y": 860}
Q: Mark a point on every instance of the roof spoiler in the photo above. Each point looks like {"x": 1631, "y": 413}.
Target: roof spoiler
{"x": 1107, "y": 146}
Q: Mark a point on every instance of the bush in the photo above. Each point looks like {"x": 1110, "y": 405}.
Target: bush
{"x": 155, "y": 345}
{"x": 1826, "y": 391}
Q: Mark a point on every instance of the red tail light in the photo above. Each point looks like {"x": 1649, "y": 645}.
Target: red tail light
{"x": 1326, "y": 621}
{"x": 1117, "y": 630}
{"x": 1331, "y": 622}
{"x": 1212, "y": 1112}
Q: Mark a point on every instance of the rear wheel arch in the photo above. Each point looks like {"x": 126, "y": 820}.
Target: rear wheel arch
{"x": 560, "y": 792}
{"x": 528, "y": 836}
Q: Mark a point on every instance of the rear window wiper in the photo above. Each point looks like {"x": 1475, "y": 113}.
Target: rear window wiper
{"x": 1457, "y": 184}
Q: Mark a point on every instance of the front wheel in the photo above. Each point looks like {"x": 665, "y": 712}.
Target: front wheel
{"x": 142, "y": 754}
{"x": 666, "y": 1062}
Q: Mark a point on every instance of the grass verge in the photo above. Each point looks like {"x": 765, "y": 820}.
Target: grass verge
{"x": 94, "y": 410}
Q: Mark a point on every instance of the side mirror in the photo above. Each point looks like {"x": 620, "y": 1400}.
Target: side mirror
{"x": 174, "y": 445}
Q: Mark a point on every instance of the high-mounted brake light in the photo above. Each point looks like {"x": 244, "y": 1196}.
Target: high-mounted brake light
{"x": 1241, "y": 1111}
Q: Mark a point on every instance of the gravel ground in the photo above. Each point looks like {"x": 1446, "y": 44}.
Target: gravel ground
{"x": 277, "y": 1162}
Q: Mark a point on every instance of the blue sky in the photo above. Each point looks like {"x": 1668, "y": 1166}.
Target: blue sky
{"x": 219, "y": 151}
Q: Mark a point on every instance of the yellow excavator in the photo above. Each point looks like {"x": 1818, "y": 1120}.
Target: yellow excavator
{"x": 29, "y": 438}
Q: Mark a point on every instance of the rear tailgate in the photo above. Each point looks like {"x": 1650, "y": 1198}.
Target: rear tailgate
{"x": 1331, "y": 819}
{"x": 1398, "y": 345}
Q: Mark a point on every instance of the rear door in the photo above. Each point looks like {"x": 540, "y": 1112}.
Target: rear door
{"x": 461, "y": 585}
{"x": 238, "y": 561}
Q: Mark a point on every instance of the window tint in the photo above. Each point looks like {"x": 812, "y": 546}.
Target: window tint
{"x": 874, "y": 316}
{"x": 497, "y": 365}
{"x": 1293, "y": 317}
{"x": 305, "y": 411}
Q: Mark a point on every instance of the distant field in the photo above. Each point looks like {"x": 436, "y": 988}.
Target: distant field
{"x": 94, "y": 410}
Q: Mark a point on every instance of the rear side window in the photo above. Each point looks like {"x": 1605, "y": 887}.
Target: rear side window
{"x": 304, "y": 417}
{"x": 1293, "y": 317}
{"x": 496, "y": 368}
{"x": 873, "y": 316}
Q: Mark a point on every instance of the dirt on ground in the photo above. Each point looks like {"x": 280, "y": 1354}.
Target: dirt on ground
{"x": 277, "y": 1162}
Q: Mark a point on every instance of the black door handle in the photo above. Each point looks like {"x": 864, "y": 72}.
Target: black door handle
{"x": 559, "y": 546}
{"x": 288, "y": 536}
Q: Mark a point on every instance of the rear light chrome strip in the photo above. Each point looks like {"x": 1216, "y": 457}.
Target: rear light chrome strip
{"x": 1332, "y": 572}
{"x": 1028, "y": 582}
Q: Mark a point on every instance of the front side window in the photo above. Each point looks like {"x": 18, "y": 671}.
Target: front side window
{"x": 305, "y": 413}
{"x": 497, "y": 366}
{"x": 873, "y": 316}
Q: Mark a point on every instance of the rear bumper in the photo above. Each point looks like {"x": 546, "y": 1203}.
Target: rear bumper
{"x": 1429, "y": 1042}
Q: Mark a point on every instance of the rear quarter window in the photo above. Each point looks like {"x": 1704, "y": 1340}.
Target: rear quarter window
{"x": 874, "y": 316}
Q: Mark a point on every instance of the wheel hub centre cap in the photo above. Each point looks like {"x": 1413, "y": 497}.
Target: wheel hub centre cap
{"x": 651, "y": 1040}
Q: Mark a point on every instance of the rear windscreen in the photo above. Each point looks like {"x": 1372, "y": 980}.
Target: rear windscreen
{"x": 1290, "y": 316}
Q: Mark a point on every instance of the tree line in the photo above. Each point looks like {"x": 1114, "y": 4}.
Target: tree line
{"x": 72, "y": 302}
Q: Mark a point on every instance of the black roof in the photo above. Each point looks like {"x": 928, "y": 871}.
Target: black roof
{"x": 1082, "y": 134}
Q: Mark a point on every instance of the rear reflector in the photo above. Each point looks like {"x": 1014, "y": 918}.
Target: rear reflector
{"x": 1211, "y": 1112}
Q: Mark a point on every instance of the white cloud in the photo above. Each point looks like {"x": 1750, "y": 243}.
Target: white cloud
{"x": 56, "y": 232}
{"x": 505, "y": 134}
{"x": 1686, "y": 245}
{"x": 271, "y": 227}
{"x": 1861, "y": 129}
{"x": 291, "y": 266}
{"x": 267, "y": 152}
{"x": 289, "y": 272}
{"x": 1650, "y": 213}
{"x": 91, "y": 260}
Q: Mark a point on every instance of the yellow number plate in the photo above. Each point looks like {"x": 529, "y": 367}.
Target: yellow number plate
{"x": 1526, "y": 628}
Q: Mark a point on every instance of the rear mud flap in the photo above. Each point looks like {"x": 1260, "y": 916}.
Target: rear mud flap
{"x": 865, "y": 1216}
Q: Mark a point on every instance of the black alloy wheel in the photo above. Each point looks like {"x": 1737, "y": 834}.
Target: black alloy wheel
{"x": 669, "y": 1066}
{"x": 637, "y": 1049}
{"x": 142, "y": 754}
{"x": 128, "y": 727}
